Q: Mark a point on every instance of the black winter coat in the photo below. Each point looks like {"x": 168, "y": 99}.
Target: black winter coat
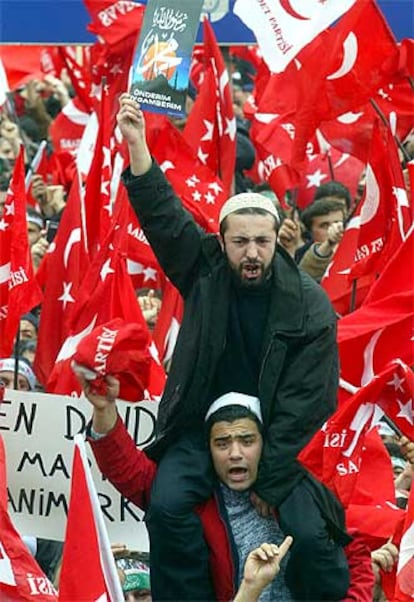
{"x": 299, "y": 372}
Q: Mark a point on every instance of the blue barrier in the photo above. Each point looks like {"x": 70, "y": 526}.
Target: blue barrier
{"x": 65, "y": 21}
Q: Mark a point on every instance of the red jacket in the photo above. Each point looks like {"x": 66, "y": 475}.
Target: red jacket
{"x": 132, "y": 473}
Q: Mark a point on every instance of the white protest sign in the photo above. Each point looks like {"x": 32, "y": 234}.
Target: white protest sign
{"x": 38, "y": 430}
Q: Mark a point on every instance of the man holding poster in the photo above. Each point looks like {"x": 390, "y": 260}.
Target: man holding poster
{"x": 161, "y": 64}
{"x": 253, "y": 325}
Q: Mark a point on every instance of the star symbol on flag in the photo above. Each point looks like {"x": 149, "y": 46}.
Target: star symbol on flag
{"x": 108, "y": 207}
{"x": 116, "y": 69}
{"x": 210, "y": 129}
{"x": 315, "y": 179}
{"x": 105, "y": 188}
{"x": 66, "y": 297}
{"x": 215, "y": 186}
{"x": 210, "y": 198}
{"x": 406, "y": 410}
{"x": 192, "y": 182}
{"x": 3, "y": 225}
{"x": 149, "y": 274}
{"x": 96, "y": 91}
{"x": 196, "y": 196}
{"x": 396, "y": 382}
{"x": 230, "y": 128}
{"x": 106, "y": 269}
{"x": 9, "y": 208}
{"x": 202, "y": 156}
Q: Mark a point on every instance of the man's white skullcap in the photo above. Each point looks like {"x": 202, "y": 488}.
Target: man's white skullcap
{"x": 236, "y": 399}
{"x": 7, "y": 365}
{"x": 248, "y": 200}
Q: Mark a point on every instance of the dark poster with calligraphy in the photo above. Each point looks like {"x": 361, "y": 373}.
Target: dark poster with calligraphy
{"x": 161, "y": 64}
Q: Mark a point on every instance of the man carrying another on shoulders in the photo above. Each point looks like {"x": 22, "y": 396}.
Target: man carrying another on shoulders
{"x": 255, "y": 325}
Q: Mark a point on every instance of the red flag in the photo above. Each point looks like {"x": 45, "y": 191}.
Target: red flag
{"x": 63, "y": 270}
{"x": 200, "y": 191}
{"x": 21, "y": 578}
{"x": 86, "y": 541}
{"x": 382, "y": 328}
{"x": 211, "y": 125}
{"x": 98, "y": 204}
{"x": 334, "y": 454}
{"x": 113, "y": 21}
{"x": 19, "y": 292}
{"x": 106, "y": 293}
{"x": 404, "y": 590}
{"x": 121, "y": 350}
{"x": 79, "y": 76}
{"x": 67, "y": 129}
{"x": 384, "y": 212}
{"x": 168, "y": 322}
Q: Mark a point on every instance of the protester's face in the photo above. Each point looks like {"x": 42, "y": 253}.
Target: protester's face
{"x": 7, "y": 377}
{"x": 250, "y": 242}
{"x": 235, "y": 450}
{"x": 27, "y": 331}
{"x": 321, "y": 223}
{"x": 33, "y": 233}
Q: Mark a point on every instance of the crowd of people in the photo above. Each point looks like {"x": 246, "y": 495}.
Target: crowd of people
{"x": 230, "y": 511}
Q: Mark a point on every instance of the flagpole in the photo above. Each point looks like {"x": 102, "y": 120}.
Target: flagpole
{"x": 352, "y": 302}
{"x": 16, "y": 358}
{"x": 387, "y": 124}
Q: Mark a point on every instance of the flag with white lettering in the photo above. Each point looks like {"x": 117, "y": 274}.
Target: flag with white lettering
{"x": 19, "y": 291}
{"x": 334, "y": 454}
{"x": 118, "y": 349}
{"x": 86, "y": 541}
{"x": 21, "y": 578}
{"x": 283, "y": 27}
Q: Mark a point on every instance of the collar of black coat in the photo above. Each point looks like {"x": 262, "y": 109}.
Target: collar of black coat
{"x": 287, "y": 306}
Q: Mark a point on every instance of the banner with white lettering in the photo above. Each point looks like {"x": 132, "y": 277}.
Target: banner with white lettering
{"x": 38, "y": 431}
{"x": 161, "y": 65}
{"x": 283, "y": 27}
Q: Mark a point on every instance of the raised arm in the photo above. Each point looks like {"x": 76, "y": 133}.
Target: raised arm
{"x": 131, "y": 123}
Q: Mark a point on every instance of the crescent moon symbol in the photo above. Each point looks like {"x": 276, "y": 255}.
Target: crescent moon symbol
{"x": 372, "y": 197}
{"x": 285, "y": 4}
{"x": 350, "y": 46}
{"x": 368, "y": 372}
{"x": 74, "y": 237}
{"x": 349, "y": 117}
{"x": 165, "y": 165}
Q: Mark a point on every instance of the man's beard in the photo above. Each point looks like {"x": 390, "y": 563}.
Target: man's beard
{"x": 263, "y": 273}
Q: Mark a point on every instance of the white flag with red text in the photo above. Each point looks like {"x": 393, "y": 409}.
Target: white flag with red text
{"x": 283, "y": 27}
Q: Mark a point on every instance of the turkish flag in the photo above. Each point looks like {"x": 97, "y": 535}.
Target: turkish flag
{"x": 19, "y": 291}
{"x": 86, "y": 541}
{"x": 98, "y": 199}
{"x": 200, "y": 190}
{"x": 106, "y": 293}
{"x": 334, "y": 454}
{"x": 67, "y": 129}
{"x": 323, "y": 167}
{"x": 382, "y": 328}
{"x": 384, "y": 211}
{"x": 143, "y": 267}
{"x": 79, "y": 76}
{"x": 21, "y": 578}
{"x": 372, "y": 508}
{"x": 211, "y": 126}
{"x": 62, "y": 270}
